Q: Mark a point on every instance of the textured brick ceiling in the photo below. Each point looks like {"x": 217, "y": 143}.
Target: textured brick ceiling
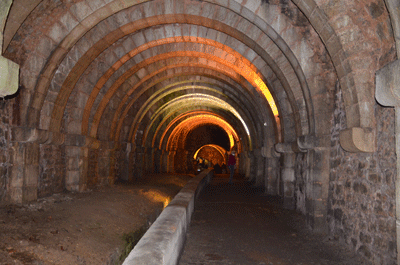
{"x": 129, "y": 71}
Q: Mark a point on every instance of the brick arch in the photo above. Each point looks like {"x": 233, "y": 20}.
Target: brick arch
{"x": 62, "y": 99}
{"x": 155, "y": 123}
{"x": 177, "y": 119}
{"x": 102, "y": 81}
{"x": 164, "y": 82}
{"x": 124, "y": 113}
{"x": 165, "y": 127}
{"x": 358, "y": 98}
{"x": 251, "y": 116}
{"x": 131, "y": 54}
{"x": 175, "y": 107}
{"x": 181, "y": 131}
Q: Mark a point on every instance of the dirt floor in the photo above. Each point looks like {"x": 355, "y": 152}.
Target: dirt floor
{"x": 83, "y": 228}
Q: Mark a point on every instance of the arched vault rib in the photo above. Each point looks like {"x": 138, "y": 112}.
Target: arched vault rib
{"x": 234, "y": 77}
{"x": 220, "y": 150}
{"x": 59, "y": 111}
{"x": 235, "y": 58}
{"x": 185, "y": 103}
{"x": 180, "y": 117}
{"x": 203, "y": 99}
{"x": 239, "y": 68}
{"x": 244, "y": 103}
{"x": 189, "y": 72}
{"x": 184, "y": 127}
{"x": 167, "y": 123}
{"x": 178, "y": 120}
{"x": 100, "y": 46}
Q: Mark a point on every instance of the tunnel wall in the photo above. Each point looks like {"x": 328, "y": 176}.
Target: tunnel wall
{"x": 4, "y": 154}
{"x": 361, "y": 204}
{"x": 51, "y": 170}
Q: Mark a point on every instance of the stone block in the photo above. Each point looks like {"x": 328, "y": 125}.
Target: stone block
{"x": 387, "y": 85}
{"x": 32, "y": 154}
{"x": 80, "y": 10}
{"x": 74, "y": 140}
{"x": 16, "y": 176}
{"x": 73, "y": 163}
{"x": 358, "y": 139}
{"x": 17, "y": 154}
{"x": 15, "y": 195}
{"x": 29, "y": 194}
{"x": 31, "y": 175}
{"x": 72, "y": 179}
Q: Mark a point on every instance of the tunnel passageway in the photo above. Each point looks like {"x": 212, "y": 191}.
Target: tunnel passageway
{"x": 239, "y": 224}
{"x": 305, "y": 92}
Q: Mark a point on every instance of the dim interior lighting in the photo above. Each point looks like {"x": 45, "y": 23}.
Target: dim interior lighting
{"x": 190, "y": 123}
{"x": 204, "y": 99}
{"x": 220, "y": 149}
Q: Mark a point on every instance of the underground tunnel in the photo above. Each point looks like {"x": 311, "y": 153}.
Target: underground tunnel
{"x": 99, "y": 92}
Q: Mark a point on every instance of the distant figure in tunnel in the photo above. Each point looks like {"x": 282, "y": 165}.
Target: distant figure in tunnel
{"x": 231, "y": 165}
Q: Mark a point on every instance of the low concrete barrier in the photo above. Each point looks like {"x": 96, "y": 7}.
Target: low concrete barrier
{"x": 164, "y": 241}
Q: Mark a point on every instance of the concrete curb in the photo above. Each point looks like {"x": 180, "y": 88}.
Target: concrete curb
{"x": 164, "y": 241}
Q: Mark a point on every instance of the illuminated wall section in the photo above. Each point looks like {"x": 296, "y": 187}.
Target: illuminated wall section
{"x": 188, "y": 125}
{"x": 226, "y": 56}
{"x": 181, "y": 118}
{"x": 190, "y": 100}
{"x": 217, "y": 147}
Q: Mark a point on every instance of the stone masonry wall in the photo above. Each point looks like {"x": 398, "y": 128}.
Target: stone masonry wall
{"x": 361, "y": 203}
{"x": 92, "y": 179}
{"x": 52, "y": 170}
{"x": 4, "y": 158}
{"x": 301, "y": 170}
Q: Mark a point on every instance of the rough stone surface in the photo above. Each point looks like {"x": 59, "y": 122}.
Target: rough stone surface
{"x": 361, "y": 207}
{"x": 52, "y": 170}
{"x": 4, "y": 155}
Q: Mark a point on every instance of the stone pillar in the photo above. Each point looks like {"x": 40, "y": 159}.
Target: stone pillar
{"x": 106, "y": 164}
{"x": 122, "y": 152}
{"x": 247, "y": 165}
{"x": 157, "y": 160}
{"x": 388, "y": 94}
{"x": 272, "y": 171}
{"x": 77, "y": 158}
{"x": 171, "y": 162}
{"x": 24, "y": 172}
{"x": 287, "y": 189}
{"x": 250, "y": 171}
{"x": 259, "y": 168}
{"x": 164, "y": 161}
{"x": 317, "y": 188}
{"x": 131, "y": 153}
{"x": 24, "y": 163}
{"x": 149, "y": 160}
{"x": 139, "y": 166}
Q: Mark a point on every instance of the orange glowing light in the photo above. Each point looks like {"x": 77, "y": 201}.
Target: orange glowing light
{"x": 190, "y": 123}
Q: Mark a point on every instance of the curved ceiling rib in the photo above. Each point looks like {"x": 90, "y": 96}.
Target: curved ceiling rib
{"x": 220, "y": 150}
{"x": 108, "y": 40}
{"x": 111, "y": 60}
{"x": 204, "y": 100}
{"x": 197, "y": 101}
{"x": 57, "y": 110}
{"x": 179, "y": 133}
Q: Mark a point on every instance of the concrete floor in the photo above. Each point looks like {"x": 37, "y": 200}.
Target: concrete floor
{"x": 237, "y": 224}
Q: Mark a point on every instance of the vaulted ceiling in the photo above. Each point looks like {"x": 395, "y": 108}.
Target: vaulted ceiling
{"x": 149, "y": 72}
